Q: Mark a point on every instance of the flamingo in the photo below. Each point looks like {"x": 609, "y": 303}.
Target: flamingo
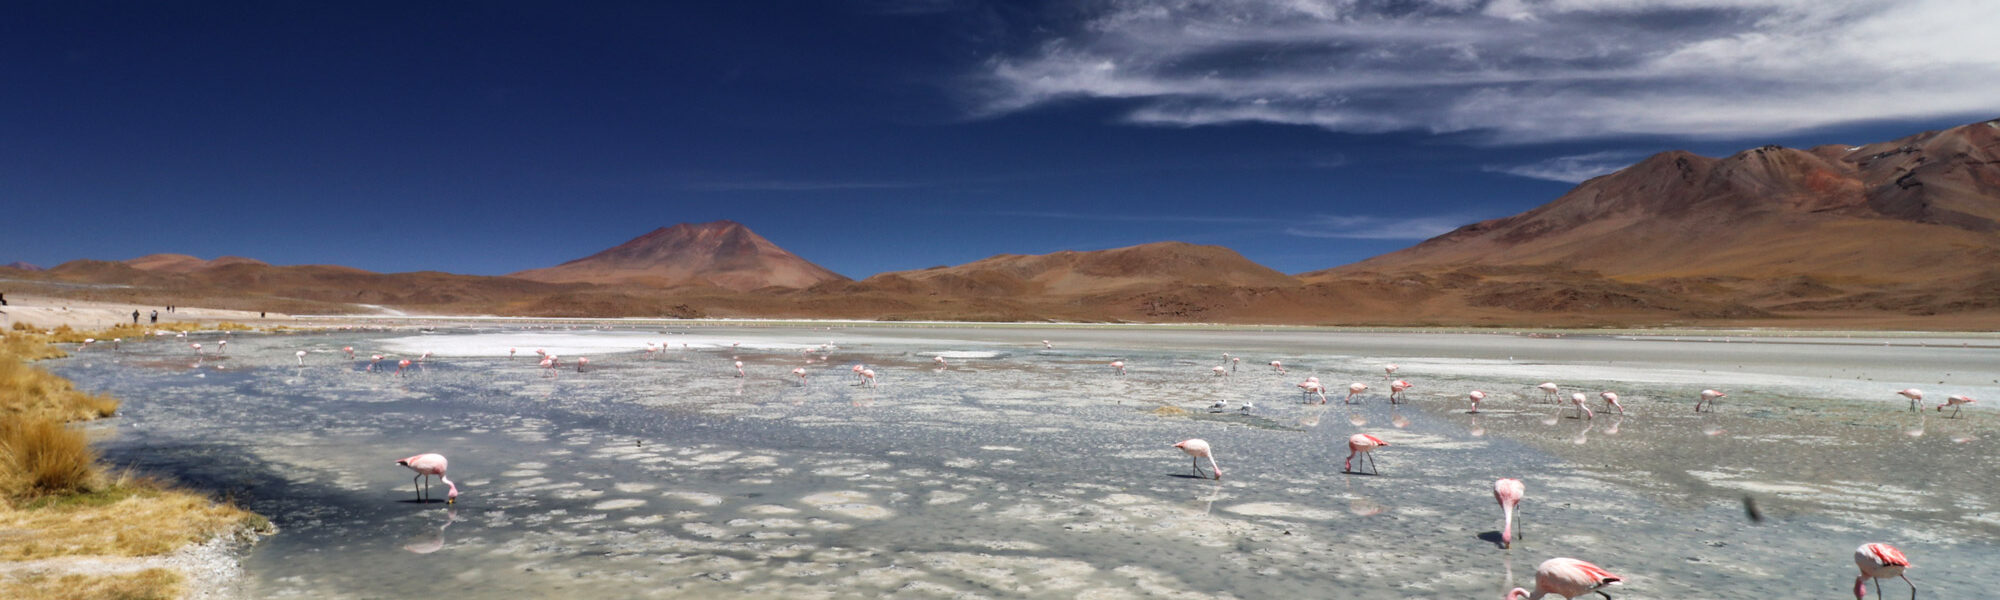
{"x": 1355, "y": 389}
{"x": 1549, "y": 389}
{"x": 1119, "y": 365}
{"x": 222, "y": 347}
{"x": 868, "y": 377}
{"x": 1880, "y": 561}
{"x": 1708, "y": 397}
{"x": 86, "y": 344}
{"x": 1278, "y": 365}
{"x": 1047, "y": 346}
{"x": 940, "y": 362}
{"x": 1956, "y": 402}
{"x": 372, "y": 360}
{"x": 1198, "y": 449}
{"x": 582, "y": 362}
{"x": 401, "y": 365}
{"x": 1396, "y": 389}
{"x": 1509, "y": 493}
{"x": 801, "y": 374}
{"x": 510, "y": 352}
{"x": 196, "y": 347}
{"x": 1915, "y": 395}
{"x": 302, "y": 357}
{"x": 1612, "y": 399}
{"x": 548, "y": 366}
{"x": 1389, "y": 371}
{"x": 739, "y": 369}
{"x": 1475, "y": 396}
{"x": 427, "y": 465}
{"x": 1311, "y": 387}
{"x": 1220, "y": 372}
{"x": 1363, "y": 444}
{"x": 1582, "y": 412}
{"x": 1568, "y": 578}
{"x": 857, "y": 372}
{"x": 350, "y": 352}
{"x": 1234, "y": 363}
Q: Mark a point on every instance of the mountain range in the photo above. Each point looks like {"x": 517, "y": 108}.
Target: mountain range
{"x": 1904, "y": 233}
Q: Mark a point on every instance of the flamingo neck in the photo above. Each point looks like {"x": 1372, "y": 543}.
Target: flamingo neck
{"x": 1861, "y": 587}
{"x": 1519, "y": 593}
{"x": 1507, "y": 525}
{"x": 453, "y": 494}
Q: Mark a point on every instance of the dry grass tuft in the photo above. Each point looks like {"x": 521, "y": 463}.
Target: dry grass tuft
{"x": 26, "y": 391}
{"x": 1170, "y": 411}
{"x": 39, "y": 456}
{"x": 134, "y": 518}
{"x": 150, "y": 584}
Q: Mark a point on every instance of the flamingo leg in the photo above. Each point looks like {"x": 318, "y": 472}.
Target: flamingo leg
{"x": 1906, "y": 579}
{"x": 1606, "y": 596}
{"x": 1878, "y": 589}
{"x": 1195, "y": 466}
{"x": 419, "y": 489}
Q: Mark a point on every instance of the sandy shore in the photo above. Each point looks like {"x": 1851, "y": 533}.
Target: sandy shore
{"x": 44, "y": 312}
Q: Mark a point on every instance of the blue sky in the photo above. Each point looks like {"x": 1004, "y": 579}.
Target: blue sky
{"x": 879, "y": 135}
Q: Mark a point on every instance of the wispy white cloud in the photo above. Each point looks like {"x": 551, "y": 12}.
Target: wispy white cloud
{"x": 1362, "y": 227}
{"x": 1575, "y": 168}
{"x": 1517, "y": 71}
{"x": 801, "y": 186}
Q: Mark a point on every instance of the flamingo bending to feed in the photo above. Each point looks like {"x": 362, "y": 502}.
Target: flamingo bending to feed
{"x": 222, "y": 347}
{"x": 581, "y": 363}
{"x": 1119, "y": 365}
{"x": 372, "y": 360}
{"x": 350, "y": 352}
{"x": 1567, "y": 578}
{"x": 401, "y": 365}
{"x": 1549, "y": 389}
{"x": 196, "y": 347}
{"x": 1363, "y": 445}
{"x": 1612, "y": 399}
{"x": 940, "y": 362}
{"x": 1957, "y": 402}
{"x": 1396, "y": 390}
{"x": 302, "y": 357}
{"x": 1047, "y": 346}
{"x": 1220, "y": 372}
{"x": 1880, "y": 561}
{"x": 1509, "y": 493}
{"x": 1582, "y": 411}
{"x": 427, "y": 465}
{"x": 1311, "y": 387}
{"x": 1475, "y": 396}
{"x": 857, "y": 373}
{"x": 1279, "y": 365}
{"x": 1708, "y": 398}
{"x": 548, "y": 366}
{"x": 1915, "y": 395}
{"x": 801, "y": 374}
{"x": 1389, "y": 371}
{"x": 868, "y": 377}
{"x": 739, "y": 369}
{"x": 1198, "y": 449}
{"x": 1354, "y": 389}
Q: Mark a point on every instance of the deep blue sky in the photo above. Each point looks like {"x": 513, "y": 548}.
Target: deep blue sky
{"x": 869, "y": 136}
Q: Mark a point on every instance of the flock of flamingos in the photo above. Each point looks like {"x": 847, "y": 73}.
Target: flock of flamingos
{"x": 1562, "y": 577}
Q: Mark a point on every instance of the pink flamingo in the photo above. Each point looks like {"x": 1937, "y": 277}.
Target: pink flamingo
{"x": 1198, "y": 448}
{"x": 1047, "y": 346}
{"x": 1354, "y": 389}
{"x": 1363, "y": 445}
{"x": 582, "y": 362}
{"x": 1220, "y": 372}
{"x": 1568, "y": 578}
{"x": 739, "y": 369}
{"x": 1475, "y": 396}
{"x": 510, "y": 352}
{"x": 1234, "y": 363}
{"x": 302, "y": 357}
{"x": 1389, "y": 371}
{"x": 1915, "y": 395}
{"x": 548, "y": 365}
{"x": 1311, "y": 387}
{"x": 1612, "y": 399}
{"x": 222, "y": 347}
{"x": 857, "y": 373}
{"x": 1549, "y": 389}
{"x": 1278, "y": 365}
{"x": 1880, "y": 561}
{"x": 1582, "y": 412}
{"x": 1119, "y": 365}
{"x": 801, "y": 374}
{"x": 1396, "y": 390}
{"x": 940, "y": 362}
{"x": 1956, "y": 402}
{"x": 1509, "y": 493}
{"x": 1708, "y": 398}
{"x": 196, "y": 347}
{"x": 350, "y": 352}
{"x": 868, "y": 377}
{"x": 402, "y": 365}
{"x": 427, "y": 465}
{"x": 372, "y": 360}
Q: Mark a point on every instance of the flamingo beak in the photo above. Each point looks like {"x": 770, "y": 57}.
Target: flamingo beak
{"x": 451, "y": 500}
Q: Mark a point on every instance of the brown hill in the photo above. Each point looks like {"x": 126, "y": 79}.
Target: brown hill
{"x": 1078, "y": 273}
{"x": 1911, "y": 210}
{"x": 182, "y": 263}
{"x": 722, "y": 254}
{"x": 22, "y": 265}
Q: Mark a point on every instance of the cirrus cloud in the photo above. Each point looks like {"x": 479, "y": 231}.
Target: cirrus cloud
{"x": 1517, "y": 71}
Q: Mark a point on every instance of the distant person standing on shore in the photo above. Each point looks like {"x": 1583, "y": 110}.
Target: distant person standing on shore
{"x": 135, "y": 317}
{"x": 3, "y": 299}
{"x": 156, "y": 317}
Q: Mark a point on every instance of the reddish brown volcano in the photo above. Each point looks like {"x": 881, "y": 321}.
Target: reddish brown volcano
{"x": 723, "y": 254}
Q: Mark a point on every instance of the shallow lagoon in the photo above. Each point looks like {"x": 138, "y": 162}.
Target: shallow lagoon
{"x": 1020, "y": 471}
